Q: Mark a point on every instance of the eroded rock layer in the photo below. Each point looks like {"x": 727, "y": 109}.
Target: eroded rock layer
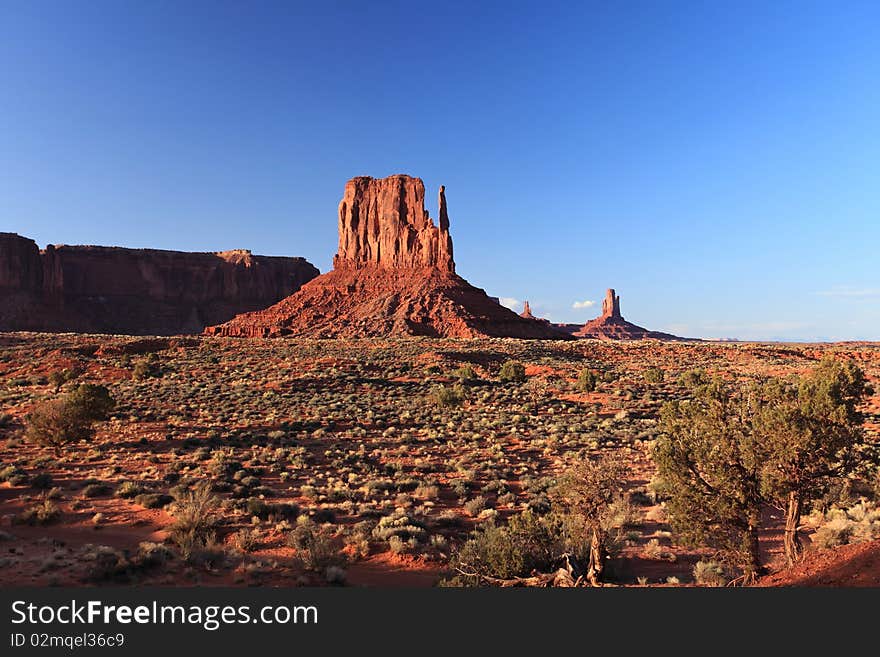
{"x": 99, "y": 289}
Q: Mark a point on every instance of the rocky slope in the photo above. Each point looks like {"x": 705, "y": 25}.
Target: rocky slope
{"x": 99, "y": 289}
{"x": 394, "y": 274}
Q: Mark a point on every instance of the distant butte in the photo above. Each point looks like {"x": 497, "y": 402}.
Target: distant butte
{"x": 611, "y": 325}
{"x": 393, "y": 274}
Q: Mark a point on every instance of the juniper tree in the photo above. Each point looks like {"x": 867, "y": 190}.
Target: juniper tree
{"x": 588, "y": 490}
{"x": 709, "y": 461}
{"x": 811, "y": 436}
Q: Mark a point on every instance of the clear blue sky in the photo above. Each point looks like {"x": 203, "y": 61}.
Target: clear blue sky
{"x": 717, "y": 163}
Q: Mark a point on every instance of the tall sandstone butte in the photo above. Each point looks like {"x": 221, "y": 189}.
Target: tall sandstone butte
{"x": 100, "y": 289}
{"x": 393, "y": 274}
{"x": 611, "y": 325}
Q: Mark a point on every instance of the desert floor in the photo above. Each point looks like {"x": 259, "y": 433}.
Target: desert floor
{"x": 347, "y": 433}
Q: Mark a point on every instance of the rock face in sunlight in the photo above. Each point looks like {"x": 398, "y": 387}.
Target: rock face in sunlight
{"x": 101, "y": 289}
{"x": 611, "y": 325}
{"x": 384, "y": 223}
{"x": 394, "y": 274}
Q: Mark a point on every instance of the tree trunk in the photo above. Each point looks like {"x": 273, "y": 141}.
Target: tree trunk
{"x": 793, "y": 545}
{"x": 598, "y": 552}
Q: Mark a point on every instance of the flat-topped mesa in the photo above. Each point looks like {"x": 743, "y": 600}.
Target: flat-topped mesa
{"x": 611, "y": 305}
{"x": 383, "y": 222}
{"x": 108, "y": 289}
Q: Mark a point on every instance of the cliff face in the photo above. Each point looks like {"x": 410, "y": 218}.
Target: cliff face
{"x": 136, "y": 291}
{"x": 21, "y": 269}
{"x": 393, "y": 274}
{"x": 384, "y": 222}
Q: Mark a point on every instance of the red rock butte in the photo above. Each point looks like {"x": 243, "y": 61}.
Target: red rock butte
{"x": 393, "y": 275}
{"x": 611, "y": 325}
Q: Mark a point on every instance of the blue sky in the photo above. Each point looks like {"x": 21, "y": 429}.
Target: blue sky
{"x": 717, "y": 163}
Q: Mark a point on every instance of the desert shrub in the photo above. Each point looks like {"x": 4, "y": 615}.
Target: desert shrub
{"x": 59, "y": 377}
{"x": 105, "y": 563}
{"x": 264, "y": 511}
{"x": 96, "y": 490}
{"x": 709, "y": 573}
{"x": 526, "y": 543}
{"x": 692, "y": 378}
{"x": 587, "y": 381}
{"x": 195, "y": 520}
{"x": 858, "y": 523}
{"x": 41, "y": 481}
{"x": 465, "y": 373}
{"x": 246, "y": 540}
{"x": 654, "y": 550}
{"x": 56, "y": 422}
{"x": 653, "y": 375}
{"x": 129, "y": 489}
{"x": 445, "y": 396}
{"x": 11, "y": 473}
{"x": 153, "y": 554}
{"x": 42, "y": 513}
{"x": 153, "y": 500}
{"x": 400, "y": 525}
{"x": 314, "y": 546}
{"x": 427, "y": 492}
{"x": 147, "y": 368}
{"x": 475, "y": 505}
{"x": 512, "y": 372}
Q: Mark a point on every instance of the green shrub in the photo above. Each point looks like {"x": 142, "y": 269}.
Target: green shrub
{"x": 512, "y": 372}
{"x": 587, "y": 381}
{"x": 444, "y": 396}
{"x": 147, "y": 368}
{"x": 41, "y": 481}
{"x": 153, "y": 500}
{"x": 525, "y": 544}
{"x": 693, "y": 378}
{"x": 58, "y": 421}
{"x": 465, "y": 373}
{"x": 653, "y": 375}
{"x": 96, "y": 490}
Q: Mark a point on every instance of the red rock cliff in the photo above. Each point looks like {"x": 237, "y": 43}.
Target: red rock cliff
{"x": 384, "y": 222}
{"x": 138, "y": 291}
{"x": 21, "y": 269}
